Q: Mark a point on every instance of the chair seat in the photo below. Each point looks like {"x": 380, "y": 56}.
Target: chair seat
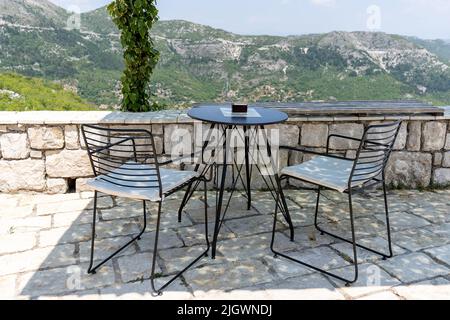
{"x": 170, "y": 180}
{"x": 328, "y": 172}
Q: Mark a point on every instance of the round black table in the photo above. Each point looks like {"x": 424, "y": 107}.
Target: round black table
{"x": 221, "y": 118}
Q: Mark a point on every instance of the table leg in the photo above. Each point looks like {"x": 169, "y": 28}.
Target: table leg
{"x": 247, "y": 168}
{"x": 279, "y": 192}
{"x": 220, "y": 196}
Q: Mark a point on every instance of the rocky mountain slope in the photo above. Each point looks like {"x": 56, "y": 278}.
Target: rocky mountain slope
{"x": 200, "y": 63}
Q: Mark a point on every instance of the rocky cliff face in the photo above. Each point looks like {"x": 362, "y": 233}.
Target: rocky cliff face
{"x": 200, "y": 63}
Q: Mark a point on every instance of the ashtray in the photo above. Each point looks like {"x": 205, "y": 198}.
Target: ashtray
{"x": 239, "y": 108}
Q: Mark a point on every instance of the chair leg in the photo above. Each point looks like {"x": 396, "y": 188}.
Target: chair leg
{"x": 388, "y": 225}
{"x": 316, "y": 214}
{"x": 155, "y": 251}
{"x": 384, "y": 255}
{"x": 355, "y": 262}
{"x": 184, "y": 202}
{"x": 92, "y": 270}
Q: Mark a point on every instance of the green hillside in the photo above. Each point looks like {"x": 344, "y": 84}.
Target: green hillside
{"x": 203, "y": 64}
{"x": 20, "y": 93}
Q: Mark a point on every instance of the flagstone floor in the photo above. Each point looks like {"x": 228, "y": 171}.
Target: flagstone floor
{"x": 45, "y": 246}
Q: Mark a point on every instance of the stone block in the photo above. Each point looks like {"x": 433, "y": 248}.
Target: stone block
{"x": 409, "y": 169}
{"x": 447, "y": 142}
{"x": 353, "y": 130}
{"x": 71, "y": 137}
{"x": 14, "y": 146}
{"x": 68, "y": 164}
{"x": 178, "y": 139}
{"x": 446, "y": 160}
{"x": 400, "y": 142}
{"x": 35, "y": 154}
{"x": 22, "y": 175}
{"x": 414, "y": 136}
{"x": 289, "y": 135}
{"x": 46, "y": 138}
{"x": 441, "y": 177}
{"x": 434, "y": 135}
{"x": 56, "y": 185}
{"x": 81, "y": 185}
{"x": 314, "y": 135}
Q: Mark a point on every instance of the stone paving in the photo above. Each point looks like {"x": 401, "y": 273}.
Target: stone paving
{"x": 44, "y": 248}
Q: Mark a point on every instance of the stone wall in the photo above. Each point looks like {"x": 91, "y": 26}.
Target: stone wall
{"x": 44, "y": 152}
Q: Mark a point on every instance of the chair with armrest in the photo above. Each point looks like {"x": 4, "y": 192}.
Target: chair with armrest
{"x": 125, "y": 164}
{"x": 345, "y": 175}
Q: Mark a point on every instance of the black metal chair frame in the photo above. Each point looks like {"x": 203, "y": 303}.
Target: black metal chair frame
{"x": 152, "y": 183}
{"x": 377, "y": 165}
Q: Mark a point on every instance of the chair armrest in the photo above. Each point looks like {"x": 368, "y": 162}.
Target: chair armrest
{"x": 313, "y": 152}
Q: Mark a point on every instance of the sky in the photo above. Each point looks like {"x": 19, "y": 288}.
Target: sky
{"x": 429, "y": 19}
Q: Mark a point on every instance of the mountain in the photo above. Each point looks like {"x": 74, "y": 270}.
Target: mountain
{"x": 199, "y": 63}
{"x": 19, "y": 93}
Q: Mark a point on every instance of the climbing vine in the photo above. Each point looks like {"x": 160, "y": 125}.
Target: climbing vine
{"x": 135, "y": 19}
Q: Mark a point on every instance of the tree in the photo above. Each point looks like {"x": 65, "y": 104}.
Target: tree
{"x": 135, "y": 18}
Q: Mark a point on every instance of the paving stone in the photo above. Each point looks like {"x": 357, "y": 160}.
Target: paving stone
{"x": 416, "y": 239}
{"x": 68, "y": 219}
{"x": 8, "y": 287}
{"x": 250, "y": 293}
{"x": 77, "y": 205}
{"x": 105, "y": 247}
{"x": 436, "y": 212}
{"x": 64, "y": 235}
{"x": 440, "y": 253}
{"x": 142, "y": 291}
{"x": 253, "y": 247}
{"x": 78, "y": 295}
{"x": 167, "y": 239}
{"x": 384, "y": 296}
{"x": 250, "y": 226}
{"x": 28, "y": 261}
{"x": 136, "y": 267}
{"x": 30, "y": 224}
{"x": 168, "y": 220}
{"x": 64, "y": 280}
{"x": 442, "y": 231}
{"x": 401, "y": 221}
{"x": 59, "y": 256}
{"x": 115, "y": 228}
{"x": 320, "y": 257}
{"x": 129, "y": 210}
{"x": 285, "y": 268}
{"x": 413, "y": 267}
{"x": 17, "y": 242}
{"x": 198, "y": 215}
{"x": 14, "y": 211}
{"x": 177, "y": 259}
{"x": 195, "y": 235}
{"x": 436, "y": 289}
{"x": 309, "y": 237}
{"x": 309, "y": 287}
{"x": 363, "y": 255}
{"x": 227, "y": 276}
{"x": 371, "y": 279}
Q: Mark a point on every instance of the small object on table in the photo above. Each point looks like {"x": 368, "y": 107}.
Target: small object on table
{"x": 239, "y": 108}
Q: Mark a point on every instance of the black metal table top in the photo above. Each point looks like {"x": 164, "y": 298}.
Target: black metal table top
{"x": 214, "y": 114}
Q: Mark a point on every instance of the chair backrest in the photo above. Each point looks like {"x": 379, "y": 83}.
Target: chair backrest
{"x": 374, "y": 152}
{"x": 123, "y": 157}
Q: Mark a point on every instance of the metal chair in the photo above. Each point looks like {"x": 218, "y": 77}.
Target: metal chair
{"x": 125, "y": 164}
{"x": 346, "y": 175}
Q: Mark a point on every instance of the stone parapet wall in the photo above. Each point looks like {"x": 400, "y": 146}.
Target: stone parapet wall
{"x": 44, "y": 151}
